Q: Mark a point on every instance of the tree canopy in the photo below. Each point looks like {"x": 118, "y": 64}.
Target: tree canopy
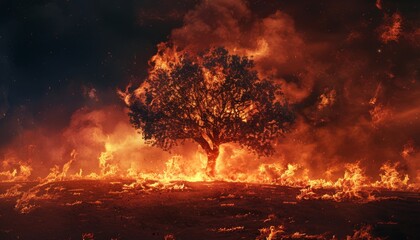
{"x": 213, "y": 98}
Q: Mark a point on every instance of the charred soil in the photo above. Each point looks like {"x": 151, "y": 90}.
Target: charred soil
{"x": 201, "y": 210}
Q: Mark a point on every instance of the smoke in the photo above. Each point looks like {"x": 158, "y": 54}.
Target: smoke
{"x": 91, "y": 135}
{"x": 278, "y": 49}
{"x": 355, "y": 90}
{"x": 352, "y": 78}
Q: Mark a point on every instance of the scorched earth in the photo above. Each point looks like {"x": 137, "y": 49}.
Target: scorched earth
{"x": 99, "y": 209}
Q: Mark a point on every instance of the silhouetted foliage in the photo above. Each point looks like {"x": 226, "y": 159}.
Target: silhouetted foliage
{"x": 213, "y": 98}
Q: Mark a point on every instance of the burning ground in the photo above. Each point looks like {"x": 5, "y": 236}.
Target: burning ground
{"x": 214, "y": 210}
{"x": 349, "y": 166}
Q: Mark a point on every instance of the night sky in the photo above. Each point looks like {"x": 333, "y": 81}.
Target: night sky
{"x": 53, "y": 53}
{"x": 60, "y": 56}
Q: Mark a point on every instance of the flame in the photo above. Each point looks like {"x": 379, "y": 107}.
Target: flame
{"x": 16, "y": 171}
{"x": 327, "y": 99}
{"x": 280, "y": 232}
{"x": 166, "y": 58}
{"x": 352, "y": 184}
{"x": 392, "y": 28}
{"x": 365, "y": 232}
{"x": 392, "y": 179}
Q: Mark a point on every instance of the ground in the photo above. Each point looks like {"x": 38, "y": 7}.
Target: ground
{"x": 184, "y": 210}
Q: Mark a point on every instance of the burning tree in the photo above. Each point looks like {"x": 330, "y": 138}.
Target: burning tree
{"x": 213, "y": 98}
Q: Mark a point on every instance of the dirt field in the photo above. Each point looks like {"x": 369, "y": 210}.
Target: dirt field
{"x": 218, "y": 210}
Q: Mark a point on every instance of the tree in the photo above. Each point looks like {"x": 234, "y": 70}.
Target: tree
{"x": 211, "y": 97}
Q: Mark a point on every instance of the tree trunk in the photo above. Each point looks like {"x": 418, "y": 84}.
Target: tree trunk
{"x": 211, "y": 161}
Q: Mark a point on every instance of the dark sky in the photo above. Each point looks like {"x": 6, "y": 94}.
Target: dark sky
{"x": 52, "y": 53}
{"x": 59, "y": 56}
